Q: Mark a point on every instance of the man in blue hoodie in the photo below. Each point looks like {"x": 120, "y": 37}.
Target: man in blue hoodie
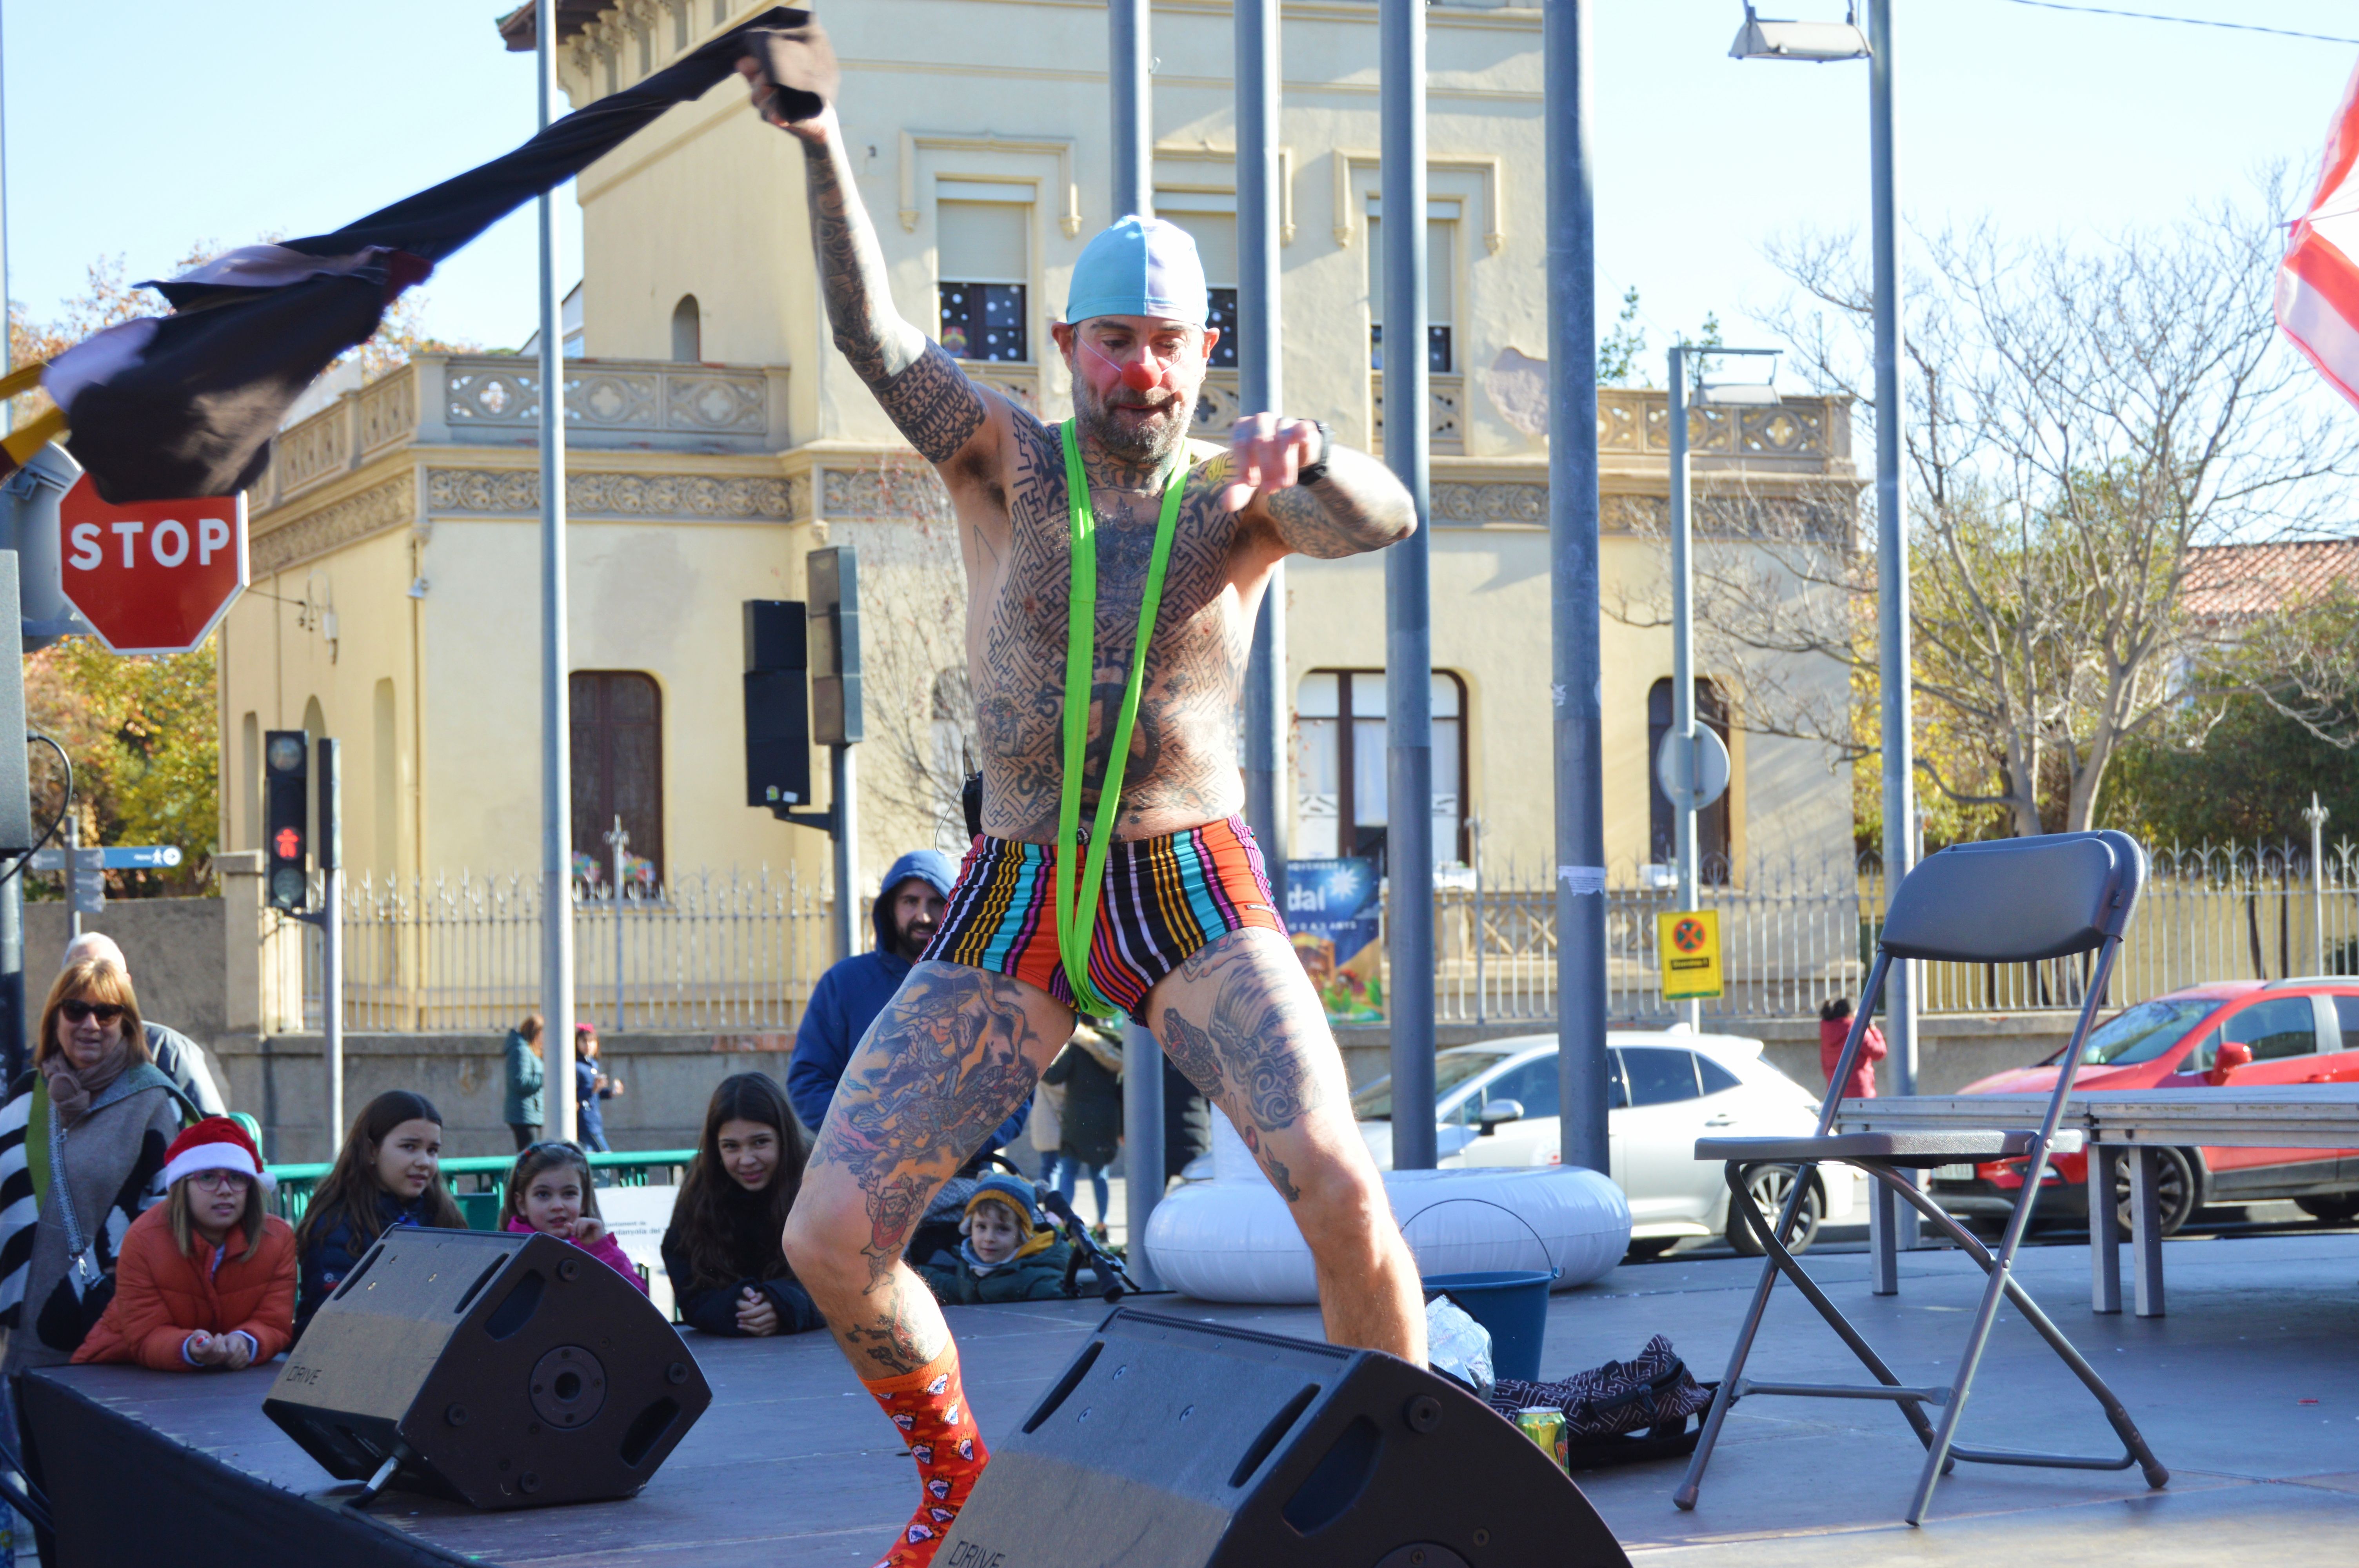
{"x": 853, "y": 992}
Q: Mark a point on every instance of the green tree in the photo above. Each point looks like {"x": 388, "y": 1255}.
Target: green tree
{"x": 142, "y": 735}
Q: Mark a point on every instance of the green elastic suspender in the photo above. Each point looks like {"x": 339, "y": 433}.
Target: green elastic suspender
{"x": 1077, "y": 900}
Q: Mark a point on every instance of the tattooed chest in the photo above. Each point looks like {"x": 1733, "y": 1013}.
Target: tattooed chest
{"x": 1180, "y": 762}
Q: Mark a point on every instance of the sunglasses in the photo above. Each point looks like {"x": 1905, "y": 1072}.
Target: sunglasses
{"x": 80, "y": 1012}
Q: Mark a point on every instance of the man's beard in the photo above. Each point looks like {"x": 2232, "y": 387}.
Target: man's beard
{"x": 1148, "y": 443}
{"x": 912, "y": 944}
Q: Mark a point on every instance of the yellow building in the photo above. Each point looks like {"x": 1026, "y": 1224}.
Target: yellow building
{"x": 716, "y": 437}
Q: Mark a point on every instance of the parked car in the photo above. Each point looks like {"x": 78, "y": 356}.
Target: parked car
{"x": 1496, "y": 1104}
{"x": 2245, "y": 1032}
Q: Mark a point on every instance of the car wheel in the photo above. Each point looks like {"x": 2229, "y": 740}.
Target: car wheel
{"x": 2334, "y": 1206}
{"x": 1646, "y": 1248}
{"x": 1767, "y": 1186}
{"x": 2177, "y": 1189}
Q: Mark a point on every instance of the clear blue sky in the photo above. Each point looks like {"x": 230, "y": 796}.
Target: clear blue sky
{"x": 140, "y": 128}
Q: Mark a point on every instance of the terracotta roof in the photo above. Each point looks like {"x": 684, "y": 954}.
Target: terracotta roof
{"x": 2233, "y": 581}
{"x": 517, "y": 31}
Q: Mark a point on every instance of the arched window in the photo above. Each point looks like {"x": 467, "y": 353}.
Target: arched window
{"x": 1711, "y": 822}
{"x": 687, "y": 331}
{"x": 618, "y": 767}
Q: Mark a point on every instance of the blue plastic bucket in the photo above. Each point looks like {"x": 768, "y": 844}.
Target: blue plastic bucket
{"x": 1513, "y": 1306}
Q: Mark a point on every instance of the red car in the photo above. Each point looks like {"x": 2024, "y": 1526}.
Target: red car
{"x": 2232, "y": 1032}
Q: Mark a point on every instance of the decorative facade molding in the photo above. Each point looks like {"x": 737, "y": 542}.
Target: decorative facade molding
{"x": 391, "y": 504}
{"x": 890, "y": 493}
{"x": 1205, "y": 152}
{"x": 1347, "y": 216}
{"x": 688, "y": 498}
{"x": 1477, "y": 504}
{"x": 1059, "y": 148}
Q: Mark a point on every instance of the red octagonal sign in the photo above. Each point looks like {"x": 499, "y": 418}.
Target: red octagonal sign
{"x": 154, "y": 578}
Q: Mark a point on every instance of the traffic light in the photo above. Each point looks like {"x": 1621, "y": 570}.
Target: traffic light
{"x": 286, "y": 816}
{"x": 777, "y": 708}
{"x": 834, "y": 578}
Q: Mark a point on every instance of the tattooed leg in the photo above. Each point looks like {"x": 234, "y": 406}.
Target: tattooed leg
{"x": 952, "y": 1055}
{"x": 1241, "y": 1020}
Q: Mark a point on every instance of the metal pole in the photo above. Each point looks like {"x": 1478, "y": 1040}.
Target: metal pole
{"x": 843, "y": 790}
{"x": 1260, "y": 375}
{"x": 1142, "y": 1055}
{"x": 1408, "y": 609}
{"x": 1683, "y": 720}
{"x": 1573, "y": 671}
{"x": 1892, "y": 563}
{"x": 621, "y": 841}
{"x": 556, "y": 734}
{"x": 1134, "y": 121}
{"x": 73, "y": 872}
{"x": 2316, "y": 815}
{"x": 327, "y": 763}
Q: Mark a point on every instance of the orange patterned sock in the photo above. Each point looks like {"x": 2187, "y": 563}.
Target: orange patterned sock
{"x": 929, "y": 1406}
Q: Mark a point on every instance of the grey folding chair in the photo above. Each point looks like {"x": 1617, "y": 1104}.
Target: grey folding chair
{"x": 2013, "y": 901}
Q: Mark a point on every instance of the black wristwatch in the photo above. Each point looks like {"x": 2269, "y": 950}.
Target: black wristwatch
{"x": 1314, "y": 471}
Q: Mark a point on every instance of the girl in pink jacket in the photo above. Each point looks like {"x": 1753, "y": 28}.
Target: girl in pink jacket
{"x": 1835, "y": 1028}
{"x": 549, "y": 1191}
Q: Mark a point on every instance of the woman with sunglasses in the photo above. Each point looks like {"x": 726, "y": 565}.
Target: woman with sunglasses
{"x": 208, "y": 1275}
{"x": 101, "y": 1119}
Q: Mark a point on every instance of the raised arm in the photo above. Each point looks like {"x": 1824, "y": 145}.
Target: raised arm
{"x": 1352, "y": 506}
{"x": 927, "y": 398}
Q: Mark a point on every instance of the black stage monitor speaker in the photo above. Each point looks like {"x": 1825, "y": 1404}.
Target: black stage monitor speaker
{"x": 504, "y": 1370}
{"x": 1175, "y": 1445}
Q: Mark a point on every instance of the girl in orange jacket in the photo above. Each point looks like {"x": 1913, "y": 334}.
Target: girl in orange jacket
{"x": 205, "y": 1279}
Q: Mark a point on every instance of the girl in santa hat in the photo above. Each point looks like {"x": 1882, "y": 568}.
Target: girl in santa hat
{"x": 205, "y": 1279}
{"x": 549, "y": 1191}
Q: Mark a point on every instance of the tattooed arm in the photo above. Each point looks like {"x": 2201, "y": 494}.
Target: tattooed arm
{"x": 1357, "y": 505}
{"x": 927, "y": 398}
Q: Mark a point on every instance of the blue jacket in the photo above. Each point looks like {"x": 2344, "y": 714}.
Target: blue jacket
{"x": 330, "y": 1255}
{"x": 854, "y": 990}
{"x": 589, "y": 1116}
{"x": 524, "y": 1072}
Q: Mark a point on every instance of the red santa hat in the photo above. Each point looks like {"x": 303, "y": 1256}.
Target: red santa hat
{"x": 216, "y": 1143}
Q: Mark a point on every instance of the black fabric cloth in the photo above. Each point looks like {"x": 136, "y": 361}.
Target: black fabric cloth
{"x": 323, "y": 1263}
{"x": 1090, "y": 1122}
{"x": 801, "y": 66}
{"x": 190, "y": 410}
{"x": 1653, "y": 1389}
{"x": 713, "y": 1308}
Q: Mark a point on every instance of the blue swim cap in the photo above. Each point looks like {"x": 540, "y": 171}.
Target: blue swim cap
{"x": 1141, "y": 266}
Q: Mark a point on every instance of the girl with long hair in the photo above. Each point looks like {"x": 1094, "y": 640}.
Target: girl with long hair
{"x": 207, "y": 1278}
{"x": 549, "y": 1191}
{"x": 723, "y": 1249}
{"x": 389, "y": 1173}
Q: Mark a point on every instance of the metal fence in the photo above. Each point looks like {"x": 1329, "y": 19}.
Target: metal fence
{"x": 740, "y": 952}
{"x": 1794, "y": 933}
{"x": 721, "y": 951}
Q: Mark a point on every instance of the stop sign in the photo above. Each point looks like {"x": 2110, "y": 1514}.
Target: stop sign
{"x": 156, "y": 576}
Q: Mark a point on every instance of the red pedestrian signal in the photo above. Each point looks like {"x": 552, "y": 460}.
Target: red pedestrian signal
{"x": 289, "y": 844}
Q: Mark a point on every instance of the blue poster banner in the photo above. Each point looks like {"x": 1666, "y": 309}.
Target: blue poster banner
{"x": 1334, "y": 910}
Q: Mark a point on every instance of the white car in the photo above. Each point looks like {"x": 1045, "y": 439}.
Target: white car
{"x": 1496, "y": 1104}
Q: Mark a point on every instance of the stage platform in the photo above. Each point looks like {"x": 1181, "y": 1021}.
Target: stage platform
{"x": 793, "y": 1466}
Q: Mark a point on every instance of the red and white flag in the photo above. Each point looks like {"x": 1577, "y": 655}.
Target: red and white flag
{"x": 2318, "y": 282}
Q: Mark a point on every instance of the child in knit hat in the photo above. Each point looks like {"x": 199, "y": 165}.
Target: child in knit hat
{"x": 1008, "y": 1251}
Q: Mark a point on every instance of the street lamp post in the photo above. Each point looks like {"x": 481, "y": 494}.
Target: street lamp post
{"x": 556, "y": 730}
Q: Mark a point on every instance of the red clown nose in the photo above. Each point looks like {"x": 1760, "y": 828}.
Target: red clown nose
{"x": 1141, "y": 377}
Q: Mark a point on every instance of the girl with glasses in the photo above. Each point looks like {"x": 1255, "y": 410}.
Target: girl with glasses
{"x": 207, "y": 1279}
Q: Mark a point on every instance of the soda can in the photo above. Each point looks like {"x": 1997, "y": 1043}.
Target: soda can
{"x": 1544, "y": 1424}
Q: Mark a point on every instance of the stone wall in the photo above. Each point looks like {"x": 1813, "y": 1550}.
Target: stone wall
{"x": 667, "y": 1078}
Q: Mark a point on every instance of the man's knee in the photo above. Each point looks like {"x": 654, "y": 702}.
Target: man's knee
{"x": 824, "y": 1242}
{"x": 1341, "y": 1203}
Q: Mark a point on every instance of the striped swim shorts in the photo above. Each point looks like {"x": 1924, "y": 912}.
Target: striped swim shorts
{"x": 1164, "y": 899}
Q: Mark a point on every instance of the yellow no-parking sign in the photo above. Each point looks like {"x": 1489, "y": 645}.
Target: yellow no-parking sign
{"x": 1688, "y": 940}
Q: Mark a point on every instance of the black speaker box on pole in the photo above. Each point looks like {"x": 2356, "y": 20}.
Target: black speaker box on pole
{"x": 504, "y": 1370}
{"x": 1169, "y": 1444}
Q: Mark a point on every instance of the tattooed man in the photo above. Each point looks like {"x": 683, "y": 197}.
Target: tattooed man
{"x": 1187, "y": 938}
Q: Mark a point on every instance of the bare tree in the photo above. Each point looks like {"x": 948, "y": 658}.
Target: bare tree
{"x": 2084, "y": 419}
{"x": 918, "y": 706}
